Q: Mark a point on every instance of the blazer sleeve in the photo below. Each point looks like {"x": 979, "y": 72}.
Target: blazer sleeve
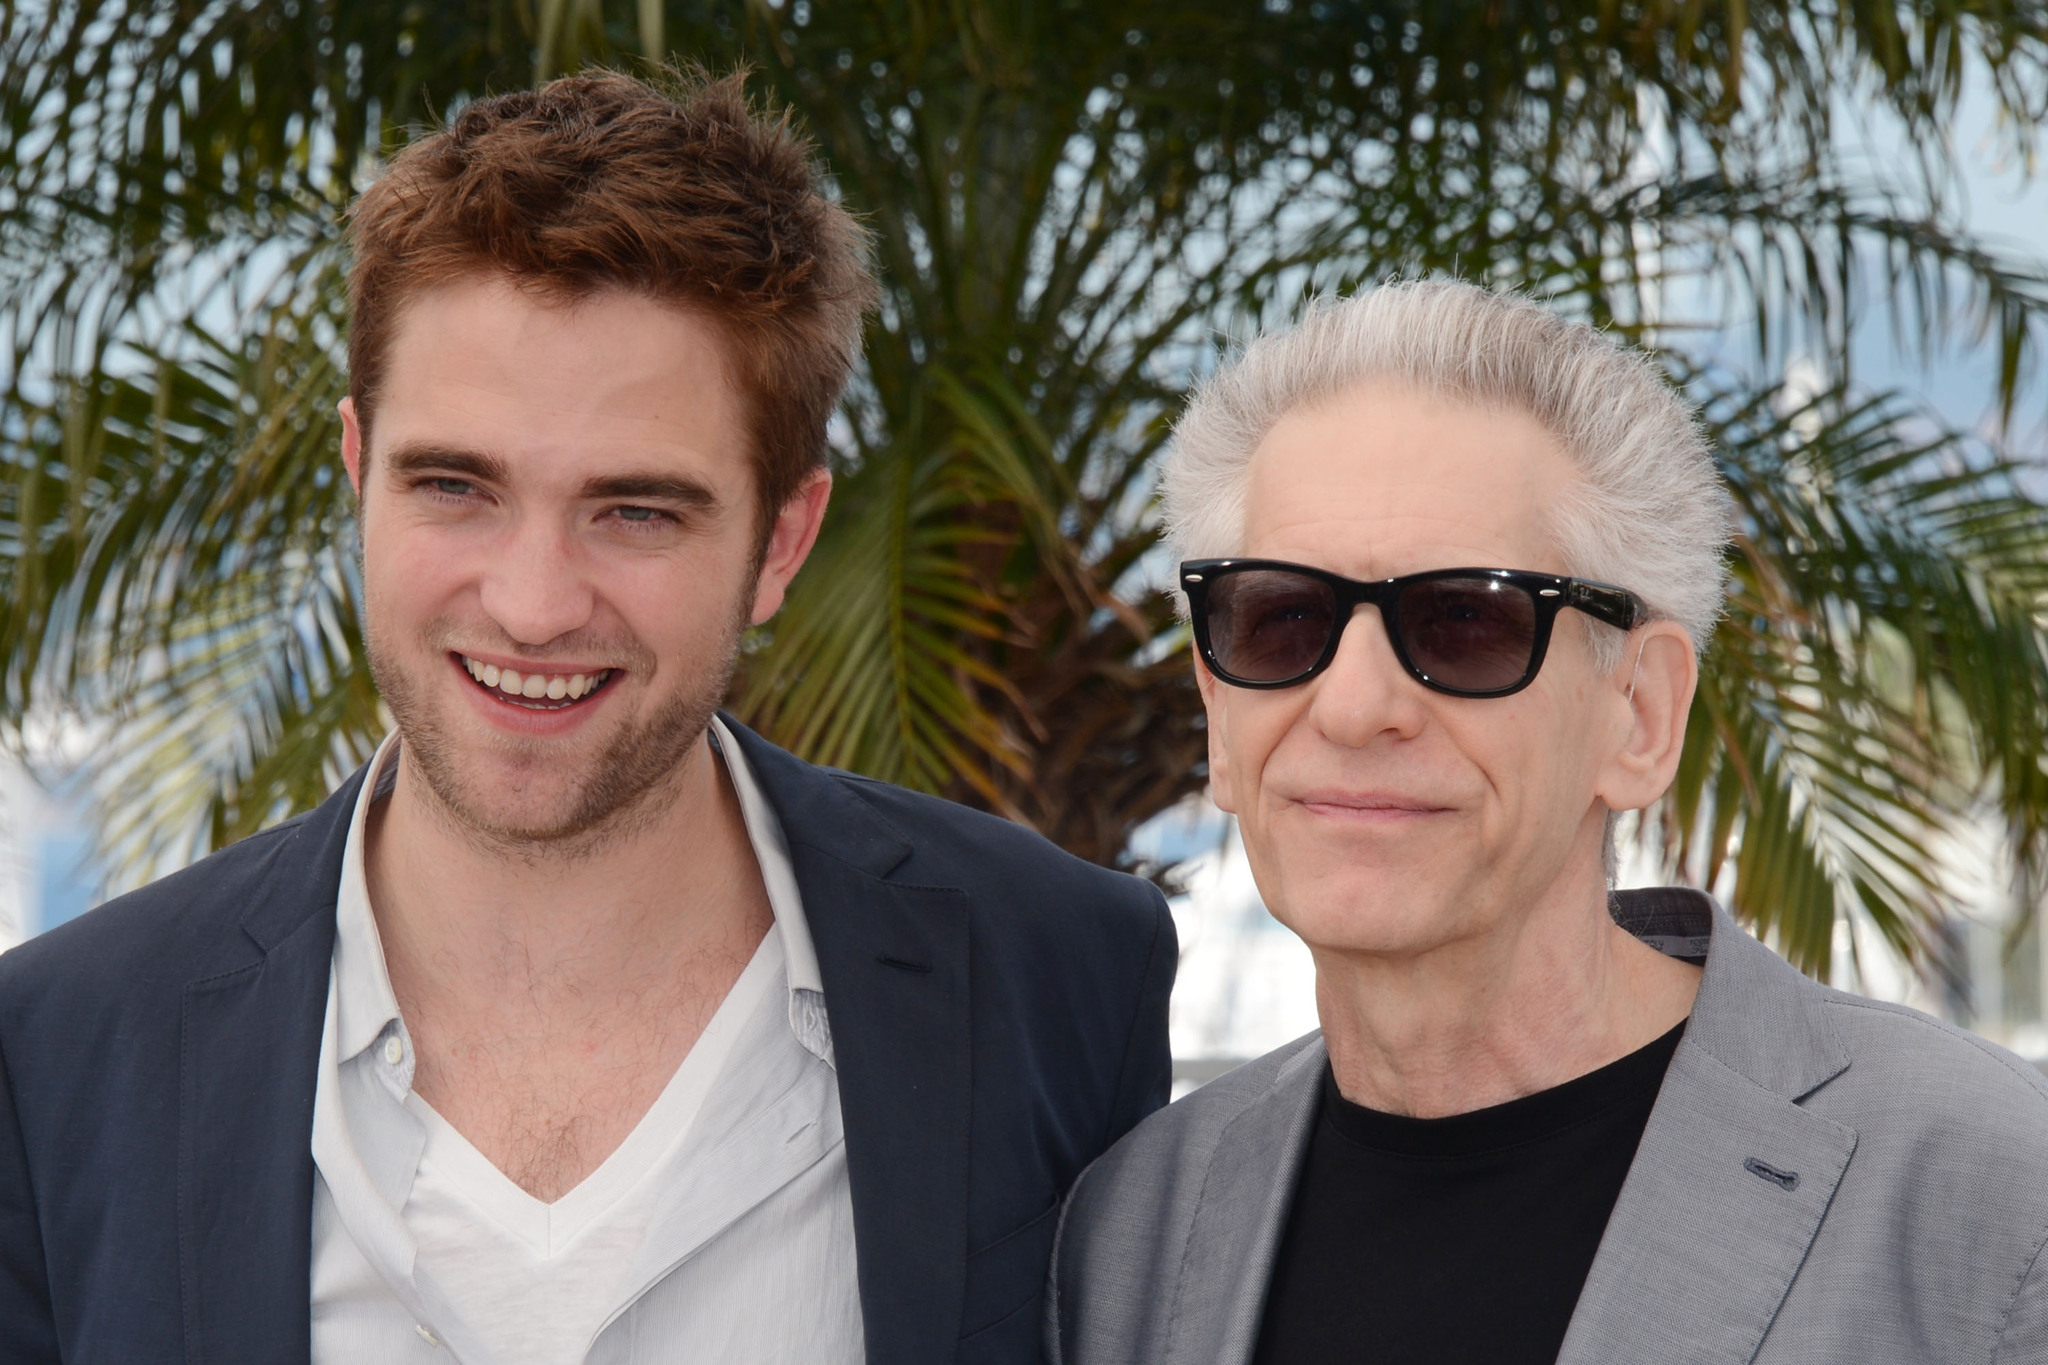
{"x": 31, "y": 1331}
{"x": 1146, "y": 1079}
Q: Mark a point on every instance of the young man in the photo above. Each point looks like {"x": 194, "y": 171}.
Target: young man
{"x": 582, "y": 1024}
{"x": 1539, "y": 1123}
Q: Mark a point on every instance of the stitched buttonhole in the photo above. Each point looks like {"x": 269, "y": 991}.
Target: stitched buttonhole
{"x": 1785, "y": 1180}
{"x": 904, "y": 964}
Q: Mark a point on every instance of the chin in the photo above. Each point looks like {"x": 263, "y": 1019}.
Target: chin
{"x": 521, "y": 799}
{"x": 1372, "y": 913}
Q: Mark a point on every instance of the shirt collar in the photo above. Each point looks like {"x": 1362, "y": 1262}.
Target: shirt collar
{"x": 366, "y": 1005}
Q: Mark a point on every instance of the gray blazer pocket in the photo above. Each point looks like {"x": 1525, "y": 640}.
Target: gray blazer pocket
{"x": 1008, "y": 1275}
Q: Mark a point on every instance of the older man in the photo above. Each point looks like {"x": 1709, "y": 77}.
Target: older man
{"x": 1540, "y": 1121}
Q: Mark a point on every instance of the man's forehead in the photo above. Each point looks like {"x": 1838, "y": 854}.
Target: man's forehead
{"x": 1391, "y": 480}
{"x": 612, "y": 385}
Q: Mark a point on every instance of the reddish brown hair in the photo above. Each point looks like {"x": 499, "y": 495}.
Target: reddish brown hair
{"x": 600, "y": 181}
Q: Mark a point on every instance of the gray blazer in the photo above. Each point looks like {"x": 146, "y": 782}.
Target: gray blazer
{"x": 1912, "y": 1233}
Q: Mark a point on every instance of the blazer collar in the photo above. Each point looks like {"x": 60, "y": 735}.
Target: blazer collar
{"x": 1755, "y": 1013}
{"x": 894, "y": 958}
{"x": 248, "y": 1062}
{"x": 818, "y": 811}
{"x": 304, "y": 873}
{"x": 1733, "y": 1175}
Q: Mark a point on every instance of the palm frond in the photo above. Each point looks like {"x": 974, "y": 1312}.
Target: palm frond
{"x": 1881, "y": 672}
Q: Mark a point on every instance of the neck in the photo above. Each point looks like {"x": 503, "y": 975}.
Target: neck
{"x": 1536, "y": 999}
{"x": 469, "y": 924}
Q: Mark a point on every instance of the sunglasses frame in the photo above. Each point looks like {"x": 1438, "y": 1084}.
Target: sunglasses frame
{"x": 1617, "y": 607}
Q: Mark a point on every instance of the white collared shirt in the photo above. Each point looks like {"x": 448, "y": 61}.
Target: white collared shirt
{"x": 721, "y": 1229}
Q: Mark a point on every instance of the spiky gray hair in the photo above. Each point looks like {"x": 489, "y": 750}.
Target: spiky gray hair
{"x": 1649, "y": 513}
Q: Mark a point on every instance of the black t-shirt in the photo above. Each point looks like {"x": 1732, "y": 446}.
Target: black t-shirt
{"x": 1461, "y": 1239}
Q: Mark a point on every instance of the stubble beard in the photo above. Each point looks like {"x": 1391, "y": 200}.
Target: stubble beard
{"x": 625, "y": 789}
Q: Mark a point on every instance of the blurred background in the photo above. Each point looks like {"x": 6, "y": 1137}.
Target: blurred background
{"x": 1824, "y": 219}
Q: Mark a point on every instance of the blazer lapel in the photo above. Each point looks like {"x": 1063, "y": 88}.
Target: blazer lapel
{"x": 1732, "y": 1179}
{"x": 894, "y": 961}
{"x": 1220, "y": 1296}
{"x": 248, "y": 1065}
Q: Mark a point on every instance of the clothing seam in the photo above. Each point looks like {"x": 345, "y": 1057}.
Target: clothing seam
{"x": 1001, "y": 1321}
{"x": 1187, "y": 1246}
{"x": 2013, "y": 1299}
{"x": 1014, "y": 1233}
{"x": 209, "y": 981}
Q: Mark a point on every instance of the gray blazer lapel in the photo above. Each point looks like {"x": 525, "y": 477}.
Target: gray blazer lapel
{"x": 1732, "y": 1178}
{"x": 1221, "y": 1292}
{"x": 1701, "y": 1250}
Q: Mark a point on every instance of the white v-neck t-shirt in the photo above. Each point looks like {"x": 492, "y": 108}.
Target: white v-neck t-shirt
{"x": 720, "y": 1228}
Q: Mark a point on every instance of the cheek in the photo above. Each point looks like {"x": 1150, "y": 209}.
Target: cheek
{"x": 1254, "y": 725}
{"x": 1540, "y": 774}
{"x": 678, "y": 606}
{"x": 410, "y": 570}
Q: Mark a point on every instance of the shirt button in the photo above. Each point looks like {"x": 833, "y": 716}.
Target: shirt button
{"x": 421, "y": 1327}
{"x": 394, "y": 1053}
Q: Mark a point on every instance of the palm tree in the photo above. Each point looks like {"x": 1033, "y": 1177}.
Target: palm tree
{"x": 1075, "y": 207}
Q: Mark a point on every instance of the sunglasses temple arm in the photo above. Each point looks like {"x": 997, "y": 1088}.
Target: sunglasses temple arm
{"x": 1618, "y": 607}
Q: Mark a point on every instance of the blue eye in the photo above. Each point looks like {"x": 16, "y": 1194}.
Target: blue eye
{"x": 640, "y": 514}
{"x": 454, "y": 488}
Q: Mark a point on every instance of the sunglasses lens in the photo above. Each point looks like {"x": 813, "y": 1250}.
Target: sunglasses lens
{"x": 1268, "y": 626}
{"x": 1471, "y": 634}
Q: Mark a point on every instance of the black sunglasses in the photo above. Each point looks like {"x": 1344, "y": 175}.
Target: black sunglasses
{"x": 1467, "y": 632}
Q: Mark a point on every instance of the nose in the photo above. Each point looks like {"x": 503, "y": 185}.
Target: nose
{"x": 537, "y": 585}
{"x": 1365, "y": 693}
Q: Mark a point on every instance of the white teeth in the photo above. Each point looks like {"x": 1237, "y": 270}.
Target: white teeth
{"x": 536, "y": 686}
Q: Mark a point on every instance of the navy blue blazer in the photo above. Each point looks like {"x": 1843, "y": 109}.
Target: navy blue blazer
{"x": 998, "y": 1016}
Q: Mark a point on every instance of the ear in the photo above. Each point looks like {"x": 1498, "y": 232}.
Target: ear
{"x": 1219, "y": 737}
{"x": 1653, "y": 688}
{"x": 790, "y": 542}
{"x": 351, "y": 444}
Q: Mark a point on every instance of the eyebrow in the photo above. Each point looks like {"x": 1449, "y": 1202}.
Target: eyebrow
{"x": 652, "y": 488}
{"x": 485, "y": 467}
{"x": 416, "y": 459}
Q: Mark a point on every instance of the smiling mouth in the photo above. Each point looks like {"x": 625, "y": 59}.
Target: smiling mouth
{"x": 536, "y": 691}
